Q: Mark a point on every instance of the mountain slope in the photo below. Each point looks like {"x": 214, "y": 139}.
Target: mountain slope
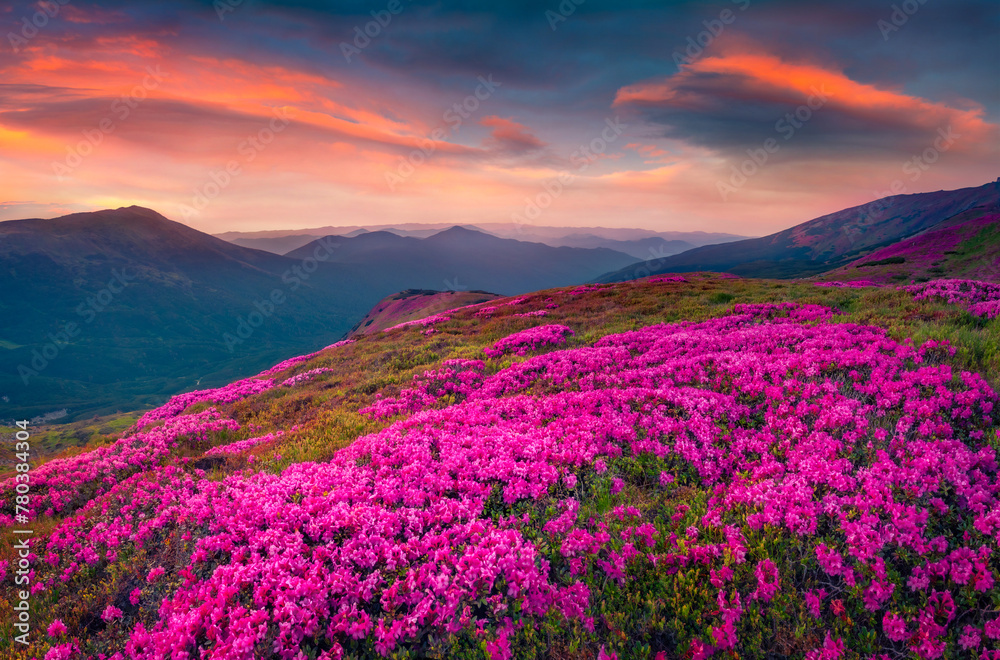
{"x": 100, "y": 308}
{"x": 667, "y": 469}
{"x": 964, "y": 247}
{"x": 414, "y": 304}
{"x": 276, "y": 245}
{"x": 109, "y": 310}
{"x": 463, "y": 259}
{"x": 823, "y": 243}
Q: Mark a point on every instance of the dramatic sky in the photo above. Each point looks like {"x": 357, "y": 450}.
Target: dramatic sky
{"x": 248, "y": 115}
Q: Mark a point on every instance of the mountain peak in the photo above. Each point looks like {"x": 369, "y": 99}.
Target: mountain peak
{"x": 458, "y": 233}
{"x": 458, "y": 230}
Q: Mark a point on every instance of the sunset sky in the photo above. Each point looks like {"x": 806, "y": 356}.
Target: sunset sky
{"x": 617, "y": 114}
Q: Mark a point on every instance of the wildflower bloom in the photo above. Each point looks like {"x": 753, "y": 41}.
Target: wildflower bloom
{"x": 56, "y": 629}
{"x": 465, "y": 515}
{"x": 111, "y": 613}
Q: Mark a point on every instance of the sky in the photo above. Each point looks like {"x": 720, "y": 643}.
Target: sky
{"x": 740, "y": 116}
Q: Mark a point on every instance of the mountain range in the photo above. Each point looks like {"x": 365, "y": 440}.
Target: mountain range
{"x": 461, "y": 259}
{"x": 117, "y": 309}
{"x": 826, "y": 242}
{"x": 638, "y": 243}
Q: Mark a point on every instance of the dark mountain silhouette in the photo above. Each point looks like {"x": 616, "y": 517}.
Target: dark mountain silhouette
{"x": 639, "y": 243}
{"x": 115, "y": 309}
{"x": 641, "y": 248}
{"x": 275, "y": 245}
{"x": 824, "y": 243}
{"x": 462, "y": 259}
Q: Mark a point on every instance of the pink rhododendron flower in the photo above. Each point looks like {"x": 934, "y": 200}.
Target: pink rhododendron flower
{"x": 56, "y": 629}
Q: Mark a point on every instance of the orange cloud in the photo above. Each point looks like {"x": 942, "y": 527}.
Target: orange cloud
{"x": 760, "y": 77}
{"x": 650, "y": 153}
{"x": 508, "y": 135}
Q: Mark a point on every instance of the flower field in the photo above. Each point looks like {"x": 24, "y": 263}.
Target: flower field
{"x": 681, "y": 468}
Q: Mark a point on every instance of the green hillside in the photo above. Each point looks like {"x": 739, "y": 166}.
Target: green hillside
{"x": 673, "y": 467}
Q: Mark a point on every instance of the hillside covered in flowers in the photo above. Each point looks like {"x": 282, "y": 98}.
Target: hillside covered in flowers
{"x": 678, "y": 467}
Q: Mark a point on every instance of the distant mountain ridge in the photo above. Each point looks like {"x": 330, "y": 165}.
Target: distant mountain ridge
{"x": 463, "y": 259}
{"x": 826, "y": 242}
{"x": 101, "y": 307}
{"x": 638, "y": 243}
{"x": 109, "y": 310}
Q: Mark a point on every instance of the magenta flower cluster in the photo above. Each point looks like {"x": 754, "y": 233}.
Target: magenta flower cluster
{"x": 424, "y": 322}
{"x": 980, "y": 298}
{"x": 856, "y": 284}
{"x": 525, "y": 341}
{"x": 456, "y": 378}
{"x": 299, "y": 359}
{"x": 237, "y": 391}
{"x": 64, "y": 484}
{"x": 305, "y": 376}
{"x": 845, "y": 474}
{"x": 241, "y": 446}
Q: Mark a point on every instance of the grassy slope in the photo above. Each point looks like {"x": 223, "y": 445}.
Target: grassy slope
{"x": 325, "y": 410}
{"x": 969, "y": 249}
{"x": 415, "y": 304}
{"x": 830, "y": 241}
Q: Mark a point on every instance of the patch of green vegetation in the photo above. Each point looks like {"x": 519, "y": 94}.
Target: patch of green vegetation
{"x": 988, "y": 236}
{"x": 721, "y": 298}
{"x": 883, "y": 262}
